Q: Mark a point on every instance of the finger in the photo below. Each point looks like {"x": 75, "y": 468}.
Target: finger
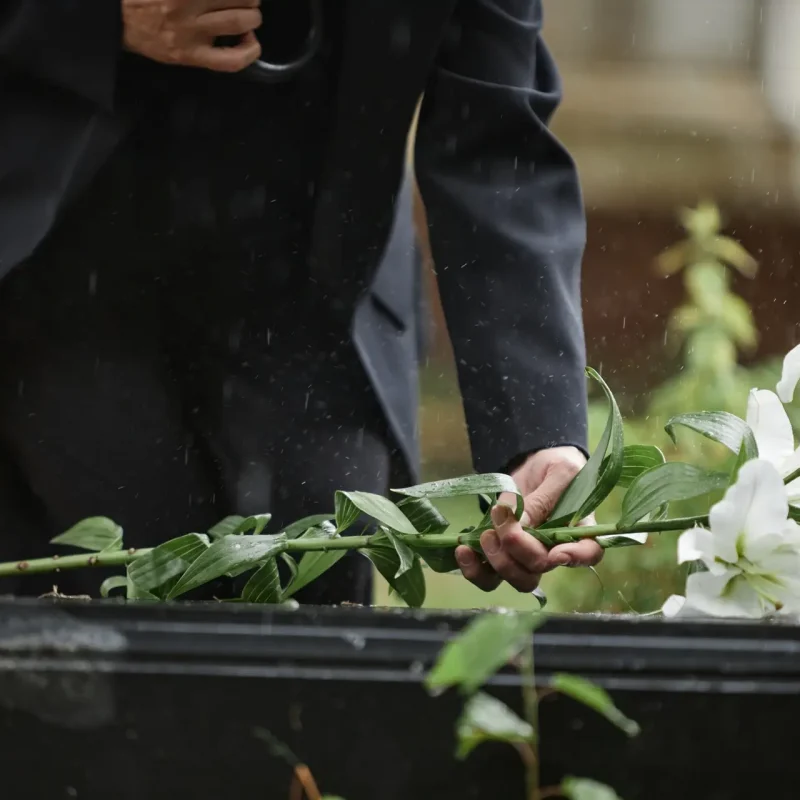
{"x": 231, "y": 22}
{"x": 528, "y": 552}
{"x": 475, "y": 571}
{"x": 510, "y": 500}
{"x": 585, "y": 553}
{"x": 540, "y": 503}
{"x": 226, "y": 59}
{"x": 505, "y": 565}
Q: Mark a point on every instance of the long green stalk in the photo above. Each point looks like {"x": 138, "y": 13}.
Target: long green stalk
{"x": 120, "y": 558}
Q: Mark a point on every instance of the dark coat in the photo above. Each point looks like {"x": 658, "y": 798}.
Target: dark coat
{"x": 506, "y": 219}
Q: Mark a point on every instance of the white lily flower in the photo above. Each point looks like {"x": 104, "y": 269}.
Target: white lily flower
{"x": 774, "y": 437}
{"x": 790, "y": 375}
{"x": 752, "y": 552}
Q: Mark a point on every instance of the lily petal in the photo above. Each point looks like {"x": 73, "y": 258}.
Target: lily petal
{"x": 727, "y": 595}
{"x": 790, "y": 375}
{"x": 771, "y": 426}
{"x": 698, "y": 544}
{"x": 755, "y": 505}
{"x": 777, "y": 554}
{"x": 789, "y": 595}
{"x": 673, "y": 605}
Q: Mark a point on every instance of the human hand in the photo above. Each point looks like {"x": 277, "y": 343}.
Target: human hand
{"x": 183, "y": 32}
{"x": 514, "y": 555}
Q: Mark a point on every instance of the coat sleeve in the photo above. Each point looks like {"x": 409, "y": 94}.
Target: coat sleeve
{"x": 507, "y": 230}
{"x": 68, "y": 44}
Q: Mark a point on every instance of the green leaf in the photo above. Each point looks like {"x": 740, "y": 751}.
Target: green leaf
{"x": 600, "y": 474}
{"x": 157, "y": 572}
{"x": 731, "y": 252}
{"x": 255, "y": 523}
{"x": 294, "y": 570}
{"x": 741, "y": 460}
{"x": 423, "y": 515}
{"x": 350, "y": 505}
{"x": 674, "y": 258}
{"x": 441, "y": 560}
{"x": 595, "y": 698}
{"x": 737, "y": 319}
{"x": 404, "y": 553}
{"x": 472, "y": 536}
{"x": 667, "y": 483}
{"x": 636, "y": 459}
{"x": 264, "y": 585}
{"x": 719, "y": 426}
{"x": 229, "y": 555}
{"x": 614, "y": 542}
{"x": 114, "y": 582}
{"x": 226, "y": 527}
{"x": 315, "y": 562}
{"x": 135, "y": 593}
{"x": 706, "y": 284}
{"x": 702, "y": 222}
{"x": 491, "y": 484}
{"x": 98, "y": 534}
{"x": 410, "y": 585}
{"x": 484, "y": 718}
{"x": 585, "y": 789}
{"x": 485, "y": 645}
{"x": 302, "y": 525}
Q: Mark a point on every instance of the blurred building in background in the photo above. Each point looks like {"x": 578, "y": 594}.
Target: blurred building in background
{"x": 667, "y": 103}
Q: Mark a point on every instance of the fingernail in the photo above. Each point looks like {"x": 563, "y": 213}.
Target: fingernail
{"x": 490, "y": 543}
{"x": 465, "y": 556}
{"x": 501, "y": 514}
{"x": 563, "y": 560}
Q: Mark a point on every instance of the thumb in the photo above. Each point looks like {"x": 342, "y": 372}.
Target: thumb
{"x": 510, "y": 499}
{"x": 503, "y": 519}
{"x": 540, "y": 503}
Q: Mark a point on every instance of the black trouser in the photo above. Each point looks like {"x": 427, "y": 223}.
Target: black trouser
{"x": 166, "y": 383}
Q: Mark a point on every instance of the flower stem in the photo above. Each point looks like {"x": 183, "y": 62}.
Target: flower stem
{"x": 120, "y": 558}
{"x": 792, "y": 476}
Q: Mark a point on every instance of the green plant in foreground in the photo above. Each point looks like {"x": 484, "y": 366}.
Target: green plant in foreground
{"x": 303, "y": 782}
{"x": 401, "y": 536}
{"x": 470, "y": 659}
